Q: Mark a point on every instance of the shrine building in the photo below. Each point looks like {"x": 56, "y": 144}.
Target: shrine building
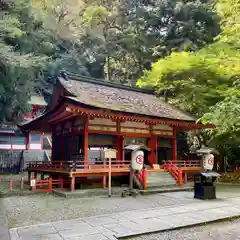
{"x": 86, "y": 116}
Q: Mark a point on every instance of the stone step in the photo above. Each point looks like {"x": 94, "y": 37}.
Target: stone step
{"x": 165, "y": 189}
{"x": 157, "y": 174}
{"x": 159, "y": 180}
{"x": 161, "y": 186}
{"x": 159, "y": 177}
{"x": 161, "y": 183}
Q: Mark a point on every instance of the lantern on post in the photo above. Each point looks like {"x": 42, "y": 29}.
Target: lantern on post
{"x": 137, "y": 156}
{"x": 204, "y": 182}
{"x": 137, "y": 162}
{"x": 207, "y": 157}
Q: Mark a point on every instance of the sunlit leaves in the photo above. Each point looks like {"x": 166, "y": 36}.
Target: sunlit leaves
{"x": 94, "y": 15}
{"x": 207, "y": 82}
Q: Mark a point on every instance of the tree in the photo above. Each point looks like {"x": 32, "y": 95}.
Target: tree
{"x": 225, "y": 114}
{"x": 229, "y": 12}
{"x": 132, "y": 35}
{"x": 204, "y": 75}
{"x": 115, "y": 39}
{"x": 18, "y": 75}
{"x": 18, "y": 71}
{"x": 160, "y": 27}
{"x": 40, "y": 51}
{"x": 103, "y": 22}
{"x": 206, "y": 82}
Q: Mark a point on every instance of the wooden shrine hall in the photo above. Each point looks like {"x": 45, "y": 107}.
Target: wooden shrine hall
{"x": 86, "y": 116}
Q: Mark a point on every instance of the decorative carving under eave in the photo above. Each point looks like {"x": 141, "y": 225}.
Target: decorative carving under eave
{"x": 147, "y": 120}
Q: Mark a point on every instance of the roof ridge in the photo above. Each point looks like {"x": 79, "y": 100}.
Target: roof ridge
{"x": 102, "y": 82}
{"x": 65, "y": 81}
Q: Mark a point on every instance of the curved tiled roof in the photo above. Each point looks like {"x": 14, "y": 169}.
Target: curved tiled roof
{"x": 116, "y": 97}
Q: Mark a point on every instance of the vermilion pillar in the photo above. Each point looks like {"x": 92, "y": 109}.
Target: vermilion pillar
{"x": 73, "y": 184}
{"x": 27, "y": 141}
{"x": 174, "y": 145}
{"x": 62, "y": 150}
{"x": 174, "y": 149}
{"x": 152, "y": 144}
{"x": 119, "y": 147}
{"x": 119, "y": 143}
{"x": 85, "y": 143}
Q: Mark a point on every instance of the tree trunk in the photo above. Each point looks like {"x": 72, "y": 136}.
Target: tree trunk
{"x": 224, "y": 164}
{"x": 105, "y": 34}
{"x": 108, "y": 68}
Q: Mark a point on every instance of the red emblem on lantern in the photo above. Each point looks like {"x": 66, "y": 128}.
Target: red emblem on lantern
{"x": 139, "y": 159}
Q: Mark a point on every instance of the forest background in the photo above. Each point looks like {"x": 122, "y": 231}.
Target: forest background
{"x": 188, "y": 51}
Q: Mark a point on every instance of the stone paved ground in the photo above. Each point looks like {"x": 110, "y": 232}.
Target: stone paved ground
{"x": 129, "y": 223}
{"x": 4, "y": 235}
{"x": 28, "y": 210}
{"x": 24, "y": 211}
{"x": 228, "y": 230}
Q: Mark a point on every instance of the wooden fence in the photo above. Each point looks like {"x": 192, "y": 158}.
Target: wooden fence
{"x": 12, "y": 183}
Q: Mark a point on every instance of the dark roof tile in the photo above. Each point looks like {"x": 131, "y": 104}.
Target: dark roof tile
{"x": 121, "y": 98}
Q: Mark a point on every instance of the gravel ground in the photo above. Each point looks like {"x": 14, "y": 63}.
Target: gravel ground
{"x": 28, "y": 210}
{"x": 35, "y": 209}
{"x": 218, "y": 231}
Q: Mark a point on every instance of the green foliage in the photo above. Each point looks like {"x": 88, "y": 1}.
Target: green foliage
{"x": 206, "y": 82}
{"x": 31, "y": 52}
{"x": 229, "y": 12}
{"x": 178, "y": 47}
{"x": 94, "y": 15}
{"x": 18, "y": 73}
{"x": 225, "y": 115}
{"x": 204, "y": 75}
{"x": 136, "y": 33}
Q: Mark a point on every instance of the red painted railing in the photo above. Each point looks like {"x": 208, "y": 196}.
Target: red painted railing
{"x": 48, "y": 184}
{"x": 43, "y": 185}
{"x": 75, "y": 165}
{"x": 186, "y": 163}
{"x": 175, "y": 171}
